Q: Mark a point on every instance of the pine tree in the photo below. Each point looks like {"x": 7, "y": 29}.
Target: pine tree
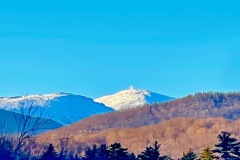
{"x": 50, "y": 153}
{"x": 207, "y": 154}
{"x": 228, "y": 148}
{"x": 97, "y": 153}
{"x": 116, "y": 152}
{"x": 91, "y": 153}
{"x": 165, "y": 158}
{"x": 6, "y": 149}
{"x": 152, "y": 153}
{"x": 190, "y": 155}
{"x": 103, "y": 152}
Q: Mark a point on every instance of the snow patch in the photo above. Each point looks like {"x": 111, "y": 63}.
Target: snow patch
{"x": 131, "y": 98}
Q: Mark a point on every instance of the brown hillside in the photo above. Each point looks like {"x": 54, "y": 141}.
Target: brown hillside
{"x": 175, "y": 135}
{"x": 198, "y": 106}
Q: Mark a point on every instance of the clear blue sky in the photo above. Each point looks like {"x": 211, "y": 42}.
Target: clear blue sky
{"x": 96, "y": 47}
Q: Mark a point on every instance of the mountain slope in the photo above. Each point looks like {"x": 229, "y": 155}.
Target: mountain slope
{"x": 64, "y": 108}
{"x": 193, "y": 121}
{"x": 9, "y": 122}
{"x": 200, "y": 105}
{"x": 175, "y": 136}
{"x": 131, "y": 98}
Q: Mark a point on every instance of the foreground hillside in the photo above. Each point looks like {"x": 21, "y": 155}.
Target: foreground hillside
{"x": 175, "y": 135}
{"x": 200, "y": 105}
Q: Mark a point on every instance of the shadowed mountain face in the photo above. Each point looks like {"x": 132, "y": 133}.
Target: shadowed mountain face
{"x": 64, "y": 108}
{"x": 132, "y": 98}
{"x": 10, "y": 122}
{"x": 197, "y": 106}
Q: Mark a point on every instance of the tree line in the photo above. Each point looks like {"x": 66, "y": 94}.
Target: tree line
{"x": 228, "y": 148}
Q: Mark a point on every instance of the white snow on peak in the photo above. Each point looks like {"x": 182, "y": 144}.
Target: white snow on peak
{"x": 131, "y": 98}
{"x": 64, "y": 108}
{"x": 37, "y": 100}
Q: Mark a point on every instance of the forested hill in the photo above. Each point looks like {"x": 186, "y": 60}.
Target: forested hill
{"x": 175, "y": 136}
{"x": 200, "y": 105}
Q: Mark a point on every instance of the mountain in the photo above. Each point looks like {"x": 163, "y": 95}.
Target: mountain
{"x": 200, "y": 105}
{"x": 131, "y": 98}
{"x": 64, "y": 108}
{"x": 192, "y": 121}
{"x": 9, "y": 122}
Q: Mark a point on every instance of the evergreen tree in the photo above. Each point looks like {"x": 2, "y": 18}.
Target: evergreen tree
{"x": 91, "y": 153}
{"x": 116, "y": 152}
{"x": 152, "y": 153}
{"x": 50, "y": 153}
{"x": 61, "y": 156}
{"x": 97, "y": 153}
{"x": 228, "y": 148}
{"x": 165, "y": 158}
{"x": 71, "y": 157}
{"x": 131, "y": 156}
{"x": 207, "y": 154}
{"x": 6, "y": 149}
{"x": 190, "y": 155}
{"x": 103, "y": 152}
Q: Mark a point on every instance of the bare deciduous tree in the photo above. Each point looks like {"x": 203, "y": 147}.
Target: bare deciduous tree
{"x": 31, "y": 121}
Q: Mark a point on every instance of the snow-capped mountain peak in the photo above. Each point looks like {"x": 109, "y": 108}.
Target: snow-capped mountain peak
{"x": 39, "y": 100}
{"x": 131, "y": 97}
{"x": 64, "y": 108}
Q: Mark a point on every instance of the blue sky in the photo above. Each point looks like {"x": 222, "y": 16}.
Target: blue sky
{"x": 94, "y": 48}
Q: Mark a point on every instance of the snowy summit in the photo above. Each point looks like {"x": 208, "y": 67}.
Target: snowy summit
{"x": 64, "y": 108}
{"x": 131, "y": 98}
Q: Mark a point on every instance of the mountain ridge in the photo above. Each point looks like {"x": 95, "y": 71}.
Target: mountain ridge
{"x": 200, "y": 105}
{"x": 65, "y": 108}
